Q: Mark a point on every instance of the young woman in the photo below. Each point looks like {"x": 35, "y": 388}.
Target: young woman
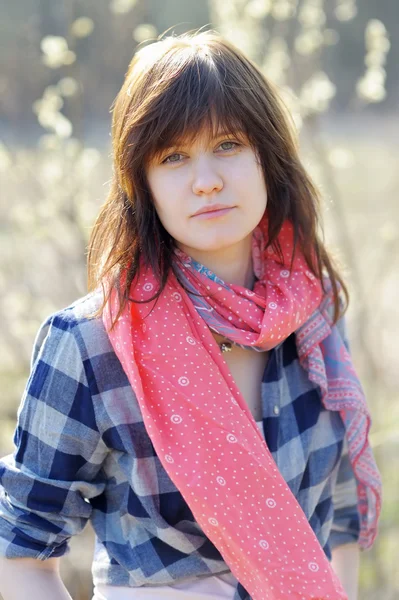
{"x": 199, "y": 406}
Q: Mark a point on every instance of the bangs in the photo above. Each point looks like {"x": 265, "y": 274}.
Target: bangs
{"x": 197, "y": 100}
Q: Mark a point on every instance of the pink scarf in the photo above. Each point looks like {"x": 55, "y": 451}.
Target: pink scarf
{"x": 205, "y": 435}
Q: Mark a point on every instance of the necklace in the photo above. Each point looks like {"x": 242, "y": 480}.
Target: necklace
{"x": 225, "y": 346}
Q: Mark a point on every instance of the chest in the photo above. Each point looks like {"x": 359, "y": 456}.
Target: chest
{"x": 247, "y": 368}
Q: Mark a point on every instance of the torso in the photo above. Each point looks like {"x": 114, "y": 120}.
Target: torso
{"x": 247, "y": 368}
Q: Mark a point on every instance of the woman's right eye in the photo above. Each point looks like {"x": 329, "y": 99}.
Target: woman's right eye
{"x": 172, "y": 158}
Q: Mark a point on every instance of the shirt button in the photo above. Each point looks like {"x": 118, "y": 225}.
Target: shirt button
{"x": 276, "y": 410}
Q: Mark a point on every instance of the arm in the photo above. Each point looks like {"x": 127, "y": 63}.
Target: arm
{"x": 345, "y": 528}
{"x": 31, "y": 578}
{"x": 47, "y": 483}
{"x": 345, "y": 562}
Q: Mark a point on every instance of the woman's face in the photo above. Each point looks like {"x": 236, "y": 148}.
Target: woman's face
{"x": 223, "y": 170}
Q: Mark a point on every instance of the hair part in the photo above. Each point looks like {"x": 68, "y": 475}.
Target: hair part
{"x": 173, "y": 89}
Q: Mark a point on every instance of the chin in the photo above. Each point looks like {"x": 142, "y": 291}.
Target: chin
{"x": 217, "y": 245}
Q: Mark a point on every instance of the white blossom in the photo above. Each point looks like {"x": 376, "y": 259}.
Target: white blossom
{"x": 144, "y": 32}
{"x": 68, "y": 86}
{"x": 82, "y": 27}
{"x": 282, "y": 10}
{"x": 341, "y": 158}
{"x": 346, "y": 10}
{"x": 120, "y": 7}
{"x": 55, "y": 52}
{"x": 257, "y": 9}
{"x": 316, "y": 93}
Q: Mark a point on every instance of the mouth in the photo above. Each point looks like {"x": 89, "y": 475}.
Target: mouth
{"x": 213, "y": 214}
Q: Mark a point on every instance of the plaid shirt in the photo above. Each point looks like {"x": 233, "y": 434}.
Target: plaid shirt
{"x": 82, "y": 452}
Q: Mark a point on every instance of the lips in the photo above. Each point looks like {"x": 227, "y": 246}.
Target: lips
{"x": 211, "y": 208}
{"x": 214, "y": 214}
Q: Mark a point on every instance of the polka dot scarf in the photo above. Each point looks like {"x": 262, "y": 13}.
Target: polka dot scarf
{"x": 199, "y": 423}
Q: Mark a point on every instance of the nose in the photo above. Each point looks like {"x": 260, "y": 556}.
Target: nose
{"x": 206, "y": 179}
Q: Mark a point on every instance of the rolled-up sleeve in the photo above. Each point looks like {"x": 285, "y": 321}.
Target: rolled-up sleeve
{"x": 47, "y": 483}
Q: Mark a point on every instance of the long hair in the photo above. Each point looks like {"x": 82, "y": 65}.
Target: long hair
{"x": 173, "y": 89}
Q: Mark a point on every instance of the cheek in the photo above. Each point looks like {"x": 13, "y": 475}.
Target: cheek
{"x": 163, "y": 197}
{"x": 251, "y": 183}
{"x": 166, "y": 189}
{"x": 169, "y": 208}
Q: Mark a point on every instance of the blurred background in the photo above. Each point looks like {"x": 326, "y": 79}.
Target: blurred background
{"x": 62, "y": 63}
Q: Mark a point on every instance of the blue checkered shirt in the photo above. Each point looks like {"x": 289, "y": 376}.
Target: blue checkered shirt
{"x": 82, "y": 453}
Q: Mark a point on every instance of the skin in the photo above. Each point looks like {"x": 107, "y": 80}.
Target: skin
{"x": 225, "y": 170}
{"x": 31, "y": 578}
{"x": 346, "y": 563}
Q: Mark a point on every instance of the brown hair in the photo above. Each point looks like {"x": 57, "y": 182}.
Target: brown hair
{"x": 174, "y": 88}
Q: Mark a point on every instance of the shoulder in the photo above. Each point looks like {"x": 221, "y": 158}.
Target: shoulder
{"x": 73, "y": 361}
{"x": 74, "y": 325}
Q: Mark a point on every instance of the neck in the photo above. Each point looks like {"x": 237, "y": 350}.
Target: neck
{"x": 232, "y": 264}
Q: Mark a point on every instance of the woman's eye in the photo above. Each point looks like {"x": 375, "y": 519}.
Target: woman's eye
{"x": 173, "y": 158}
{"x": 226, "y": 146}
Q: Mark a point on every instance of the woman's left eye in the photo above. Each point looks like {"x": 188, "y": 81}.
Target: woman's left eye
{"x": 226, "y": 146}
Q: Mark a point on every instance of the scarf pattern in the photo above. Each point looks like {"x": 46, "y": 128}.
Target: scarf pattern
{"x": 201, "y": 427}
